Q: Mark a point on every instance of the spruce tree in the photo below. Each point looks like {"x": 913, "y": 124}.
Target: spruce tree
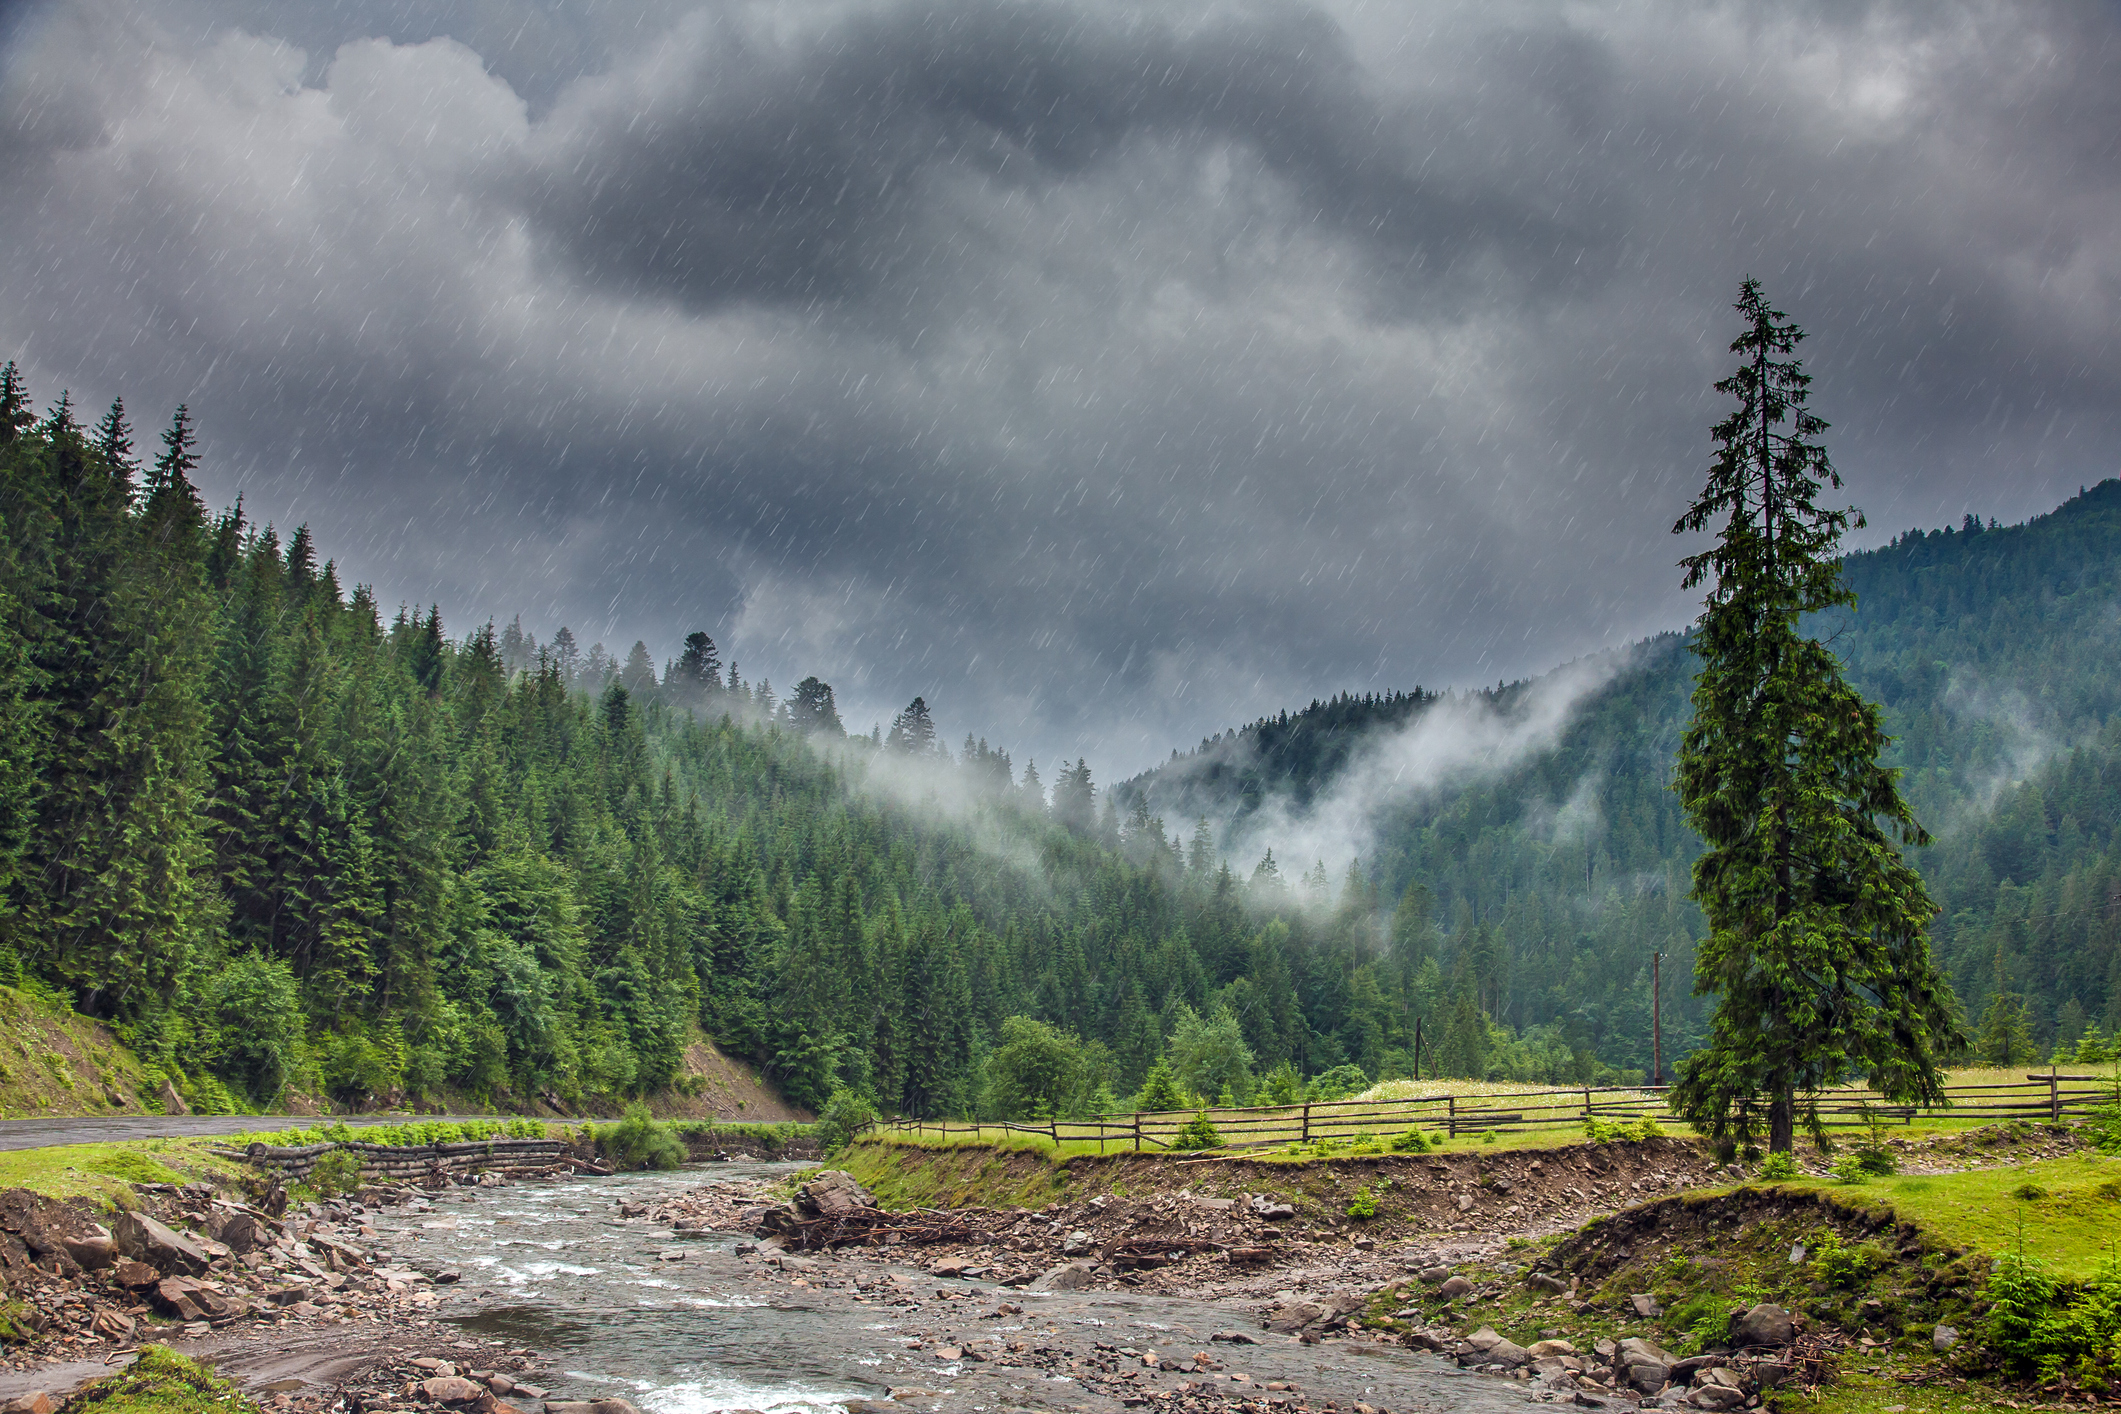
{"x": 1817, "y": 950}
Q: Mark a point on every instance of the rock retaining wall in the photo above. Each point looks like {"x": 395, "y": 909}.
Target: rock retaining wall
{"x": 406, "y": 1163}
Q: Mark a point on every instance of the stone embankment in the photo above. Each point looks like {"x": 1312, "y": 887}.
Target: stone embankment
{"x": 425, "y": 1164}
{"x": 192, "y": 1266}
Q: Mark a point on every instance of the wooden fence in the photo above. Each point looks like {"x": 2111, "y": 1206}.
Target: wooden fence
{"x": 2049, "y": 1098}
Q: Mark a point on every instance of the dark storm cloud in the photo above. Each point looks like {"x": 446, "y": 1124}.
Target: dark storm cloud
{"x": 1108, "y": 373}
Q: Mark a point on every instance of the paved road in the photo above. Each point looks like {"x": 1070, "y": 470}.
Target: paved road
{"x": 43, "y": 1133}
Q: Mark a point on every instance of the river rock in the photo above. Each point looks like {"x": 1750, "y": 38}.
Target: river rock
{"x": 91, "y": 1254}
{"x": 1435, "y": 1276}
{"x": 1292, "y": 1316}
{"x": 1071, "y": 1276}
{"x": 1641, "y": 1366}
{"x": 245, "y": 1233}
{"x": 137, "y": 1275}
{"x": 451, "y": 1389}
{"x": 833, "y": 1194}
{"x": 143, "y": 1239}
{"x": 1454, "y": 1287}
{"x": 1943, "y": 1338}
{"x": 1507, "y": 1352}
{"x": 37, "y": 1402}
{"x": 1765, "y": 1326}
{"x": 1717, "y": 1389}
{"x": 1542, "y": 1281}
{"x": 589, "y": 1406}
{"x": 1544, "y": 1348}
{"x": 1486, "y": 1338}
{"x": 1645, "y": 1305}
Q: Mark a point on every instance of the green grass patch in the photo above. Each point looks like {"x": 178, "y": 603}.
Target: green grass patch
{"x": 956, "y": 1176}
{"x": 105, "y": 1172}
{"x": 161, "y": 1382}
{"x": 2072, "y": 1227}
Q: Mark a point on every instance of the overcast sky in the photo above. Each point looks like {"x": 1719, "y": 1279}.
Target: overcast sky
{"x": 1108, "y": 373}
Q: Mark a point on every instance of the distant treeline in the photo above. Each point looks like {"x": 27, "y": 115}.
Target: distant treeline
{"x": 278, "y": 837}
{"x": 1992, "y": 650}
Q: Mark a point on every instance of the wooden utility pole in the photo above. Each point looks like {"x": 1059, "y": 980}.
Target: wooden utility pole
{"x": 1656, "y": 1018}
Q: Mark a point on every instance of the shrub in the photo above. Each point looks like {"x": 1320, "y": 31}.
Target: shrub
{"x": 337, "y": 1172}
{"x": 2103, "y": 1127}
{"x": 1411, "y": 1142}
{"x": 639, "y": 1141}
{"x": 1843, "y": 1266}
{"x": 1364, "y": 1206}
{"x": 1612, "y": 1131}
{"x": 844, "y": 1117}
{"x": 1197, "y": 1133}
{"x": 1849, "y": 1169}
{"x": 1339, "y": 1083}
{"x": 1779, "y": 1165}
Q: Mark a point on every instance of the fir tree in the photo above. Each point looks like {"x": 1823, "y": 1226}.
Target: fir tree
{"x": 1817, "y": 951}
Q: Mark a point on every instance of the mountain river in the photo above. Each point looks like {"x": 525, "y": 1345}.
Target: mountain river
{"x": 552, "y": 1267}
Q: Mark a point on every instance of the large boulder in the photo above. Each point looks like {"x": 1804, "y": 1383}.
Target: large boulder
{"x": 833, "y": 1194}
{"x": 143, "y": 1239}
{"x": 245, "y": 1232}
{"x": 1073, "y": 1276}
{"x": 1766, "y": 1326}
{"x": 91, "y": 1254}
{"x": 1641, "y": 1366}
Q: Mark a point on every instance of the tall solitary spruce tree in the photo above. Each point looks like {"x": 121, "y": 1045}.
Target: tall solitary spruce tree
{"x": 1817, "y": 949}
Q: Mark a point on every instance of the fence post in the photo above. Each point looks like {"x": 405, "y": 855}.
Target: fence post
{"x": 1586, "y": 1104}
{"x": 1454, "y": 1114}
{"x": 2054, "y": 1096}
{"x": 1056, "y": 1133}
{"x": 1307, "y": 1122}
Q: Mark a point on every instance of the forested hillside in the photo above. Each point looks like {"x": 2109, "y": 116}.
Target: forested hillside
{"x": 1992, "y": 649}
{"x": 278, "y": 838}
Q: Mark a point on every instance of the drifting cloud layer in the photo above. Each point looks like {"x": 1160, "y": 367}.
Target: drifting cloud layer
{"x": 1107, "y": 373}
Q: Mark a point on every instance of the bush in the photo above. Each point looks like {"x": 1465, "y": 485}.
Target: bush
{"x": 1843, "y": 1266}
{"x": 1612, "y": 1131}
{"x": 844, "y": 1117}
{"x": 1850, "y": 1169}
{"x": 1411, "y": 1142}
{"x": 2103, "y": 1128}
{"x": 1779, "y": 1165}
{"x": 639, "y": 1141}
{"x": 337, "y": 1172}
{"x": 1339, "y": 1083}
{"x": 1198, "y": 1133}
{"x": 1364, "y": 1206}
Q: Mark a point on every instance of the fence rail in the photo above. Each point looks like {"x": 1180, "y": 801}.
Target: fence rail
{"x": 2051, "y": 1098}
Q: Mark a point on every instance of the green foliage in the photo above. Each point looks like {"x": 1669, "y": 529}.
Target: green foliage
{"x": 1364, "y": 1205}
{"x": 1816, "y": 949}
{"x": 1841, "y": 1265}
{"x": 1160, "y": 1092}
{"x": 1612, "y": 1131}
{"x": 640, "y": 1141}
{"x": 1209, "y": 1054}
{"x": 1339, "y": 1083}
{"x": 1850, "y": 1168}
{"x": 842, "y": 1120}
{"x": 1413, "y": 1141}
{"x": 160, "y": 1381}
{"x": 1197, "y": 1133}
{"x": 335, "y": 1173}
{"x": 2103, "y": 1125}
{"x": 1040, "y": 1070}
{"x": 1779, "y": 1166}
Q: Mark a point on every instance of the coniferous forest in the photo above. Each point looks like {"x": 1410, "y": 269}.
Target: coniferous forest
{"x": 281, "y": 837}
